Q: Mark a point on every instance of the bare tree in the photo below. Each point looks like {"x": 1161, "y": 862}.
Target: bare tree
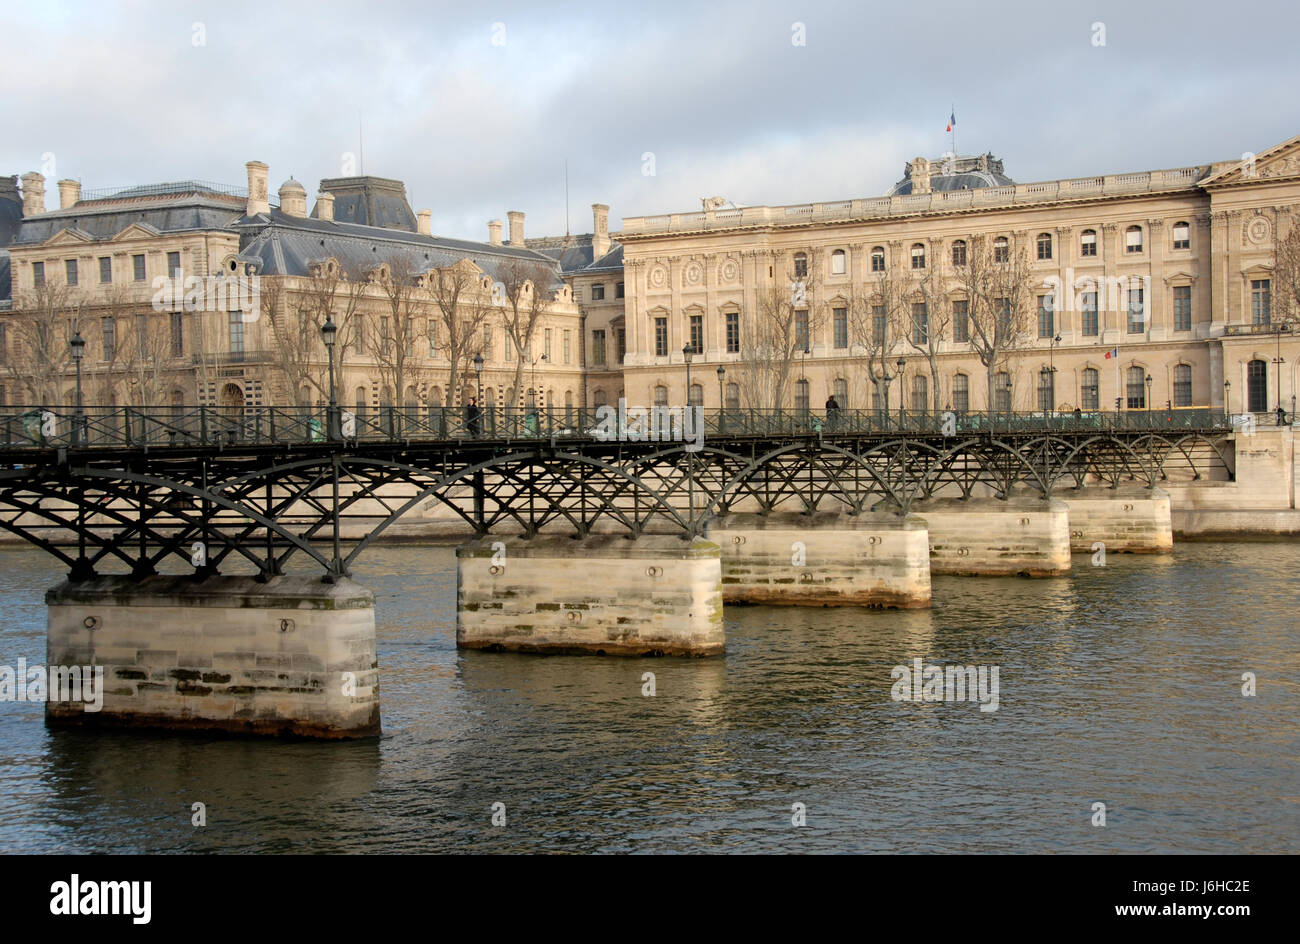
{"x": 999, "y": 290}
{"x": 39, "y": 357}
{"x": 399, "y": 323}
{"x": 877, "y": 324}
{"x": 789, "y": 313}
{"x": 461, "y": 305}
{"x": 525, "y": 291}
{"x": 1286, "y": 268}
{"x": 294, "y": 319}
{"x": 929, "y": 322}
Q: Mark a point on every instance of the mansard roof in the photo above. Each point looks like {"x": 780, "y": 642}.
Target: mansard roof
{"x": 369, "y": 201}
{"x": 11, "y": 210}
{"x": 291, "y": 245}
{"x": 959, "y": 173}
{"x": 576, "y": 254}
{"x": 105, "y": 219}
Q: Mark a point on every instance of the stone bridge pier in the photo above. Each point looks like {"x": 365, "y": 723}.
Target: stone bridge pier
{"x": 288, "y": 656}
{"x": 1022, "y": 535}
{"x": 1127, "y": 519}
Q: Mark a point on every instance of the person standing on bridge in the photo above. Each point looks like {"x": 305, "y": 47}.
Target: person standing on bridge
{"x": 1281, "y": 415}
{"x": 473, "y": 417}
{"x": 832, "y": 411}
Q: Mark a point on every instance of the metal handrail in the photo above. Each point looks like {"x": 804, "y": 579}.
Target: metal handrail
{"x": 42, "y": 427}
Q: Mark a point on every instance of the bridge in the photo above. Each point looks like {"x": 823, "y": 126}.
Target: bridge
{"x": 156, "y": 511}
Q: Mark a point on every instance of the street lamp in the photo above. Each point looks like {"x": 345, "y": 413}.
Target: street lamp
{"x": 478, "y": 373}
{"x": 687, "y": 351}
{"x": 1148, "y": 399}
{"x": 901, "y": 365}
{"x": 78, "y": 345}
{"x": 1008, "y": 401}
{"x": 328, "y": 331}
{"x": 1227, "y": 407}
{"x": 1051, "y": 363}
{"x": 722, "y": 401}
{"x": 1047, "y": 384}
{"x": 1279, "y": 361}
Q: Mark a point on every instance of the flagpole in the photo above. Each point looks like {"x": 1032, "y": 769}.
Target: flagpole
{"x": 952, "y": 113}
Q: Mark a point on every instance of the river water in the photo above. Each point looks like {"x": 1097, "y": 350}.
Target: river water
{"x": 1118, "y": 685}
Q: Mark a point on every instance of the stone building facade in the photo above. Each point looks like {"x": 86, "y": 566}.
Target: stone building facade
{"x": 1199, "y": 242}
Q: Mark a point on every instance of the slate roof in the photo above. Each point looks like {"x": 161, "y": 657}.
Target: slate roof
{"x": 574, "y": 253}
{"x": 969, "y": 173}
{"x": 6, "y": 283}
{"x": 369, "y": 201}
{"x": 289, "y": 245}
{"x": 103, "y": 219}
{"x": 11, "y": 209}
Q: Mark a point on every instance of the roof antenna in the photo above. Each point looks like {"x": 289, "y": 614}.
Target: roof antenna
{"x": 361, "y": 142}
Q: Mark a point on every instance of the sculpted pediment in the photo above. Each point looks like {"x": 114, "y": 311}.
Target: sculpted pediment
{"x": 1280, "y": 161}
{"x": 69, "y": 236}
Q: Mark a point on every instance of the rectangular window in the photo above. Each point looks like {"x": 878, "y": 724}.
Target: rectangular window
{"x": 733, "y": 332}
{"x": 1133, "y": 239}
{"x": 105, "y": 269}
{"x": 838, "y": 262}
{"x": 1088, "y": 315}
{"x": 801, "y": 335}
{"x": 178, "y": 334}
{"x": 1088, "y": 243}
{"x": 961, "y": 393}
{"x": 137, "y": 267}
{"x": 1090, "y": 392}
{"x": 697, "y": 334}
{"x": 38, "y": 274}
{"x": 598, "y": 292}
{"x": 1137, "y": 391}
{"x": 385, "y": 335}
{"x": 565, "y": 344}
{"x": 801, "y": 399}
{"x": 1046, "y": 391}
{"x": 598, "y": 348}
{"x": 70, "y": 269}
{"x": 840, "y": 320}
{"x": 961, "y": 320}
{"x": 878, "y": 325}
{"x": 174, "y": 264}
{"x": 1182, "y": 236}
{"x": 4, "y": 396}
{"x": 1261, "y": 301}
{"x": 236, "y": 335}
{"x": 1182, "y": 308}
{"x": 546, "y": 340}
{"x": 509, "y": 346}
{"x": 1182, "y": 385}
{"x": 661, "y": 337}
{"x": 618, "y": 290}
{"x": 1137, "y": 316}
{"x": 1001, "y": 317}
{"x": 620, "y": 337}
{"x": 108, "y": 334}
{"x": 4, "y": 343}
{"x": 487, "y": 342}
{"x": 1046, "y": 317}
{"x": 920, "y": 324}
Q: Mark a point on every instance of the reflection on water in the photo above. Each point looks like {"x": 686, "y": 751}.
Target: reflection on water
{"x": 1119, "y": 684}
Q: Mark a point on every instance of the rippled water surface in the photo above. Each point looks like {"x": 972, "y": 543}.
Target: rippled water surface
{"x": 1119, "y": 684}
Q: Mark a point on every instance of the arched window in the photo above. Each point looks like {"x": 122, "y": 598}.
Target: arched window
{"x": 959, "y": 253}
{"x": 1133, "y": 239}
{"x": 696, "y": 395}
{"x": 1044, "y": 245}
{"x": 661, "y": 395}
{"x": 1136, "y": 387}
{"x": 362, "y": 401}
{"x": 839, "y": 262}
{"x": 1182, "y": 235}
{"x": 1257, "y": 387}
{"x": 1002, "y": 392}
{"x": 412, "y": 399}
{"x": 961, "y": 393}
{"x": 1001, "y": 249}
{"x": 918, "y": 256}
{"x": 733, "y": 396}
{"x": 1088, "y": 243}
{"x": 598, "y": 397}
{"x": 569, "y": 415}
{"x": 801, "y": 400}
{"x": 878, "y": 259}
{"x": 841, "y": 392}
{"x": 920, "y": 393}
{"x": 1089, "y": 389}
{"x": 1182, "y": 385}
{"x": 800, "y": 265}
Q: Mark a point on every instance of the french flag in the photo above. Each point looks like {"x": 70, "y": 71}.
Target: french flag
{"x": 1114, "y": 352}
{"x": 952, "y": 121}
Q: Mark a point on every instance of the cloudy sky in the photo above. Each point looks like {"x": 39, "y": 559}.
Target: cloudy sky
{"x": 477, "y": 106}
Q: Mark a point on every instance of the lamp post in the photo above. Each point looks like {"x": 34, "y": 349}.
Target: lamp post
{"x": 1045, "y": 383}
{"x": 478, "y": 375}
{"x": 1009, "y": 403}
{"x": 1279, "y": 361}
{"x": 1227, "y": 407}
{"x": 1148, "y": 399}
{"x": 722, "y": 400}
{"x": 78, "y": 346}
{"x": 902, "y": 395}
{"x": 328, "y": 331}
{"x": 1051, "y": 364}
{"x": 687, "y": 351}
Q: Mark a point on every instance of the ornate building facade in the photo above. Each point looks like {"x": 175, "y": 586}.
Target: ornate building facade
{"x": 1144, "y": 290}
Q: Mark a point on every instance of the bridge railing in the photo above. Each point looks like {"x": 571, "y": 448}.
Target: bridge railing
{"x": 135, "y": 427}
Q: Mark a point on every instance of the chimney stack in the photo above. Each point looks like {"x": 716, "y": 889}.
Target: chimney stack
{"x": 494, "y": 232}
{"x": 258, "y": 195}
{"x": 325, "y": 206}
{"x": 425, "y": 218}
{"x": 33, "y": 194}
{"x": 516, "y": 228}
{"x": 600, "y": 238}
{"x": 69, "y": 193}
